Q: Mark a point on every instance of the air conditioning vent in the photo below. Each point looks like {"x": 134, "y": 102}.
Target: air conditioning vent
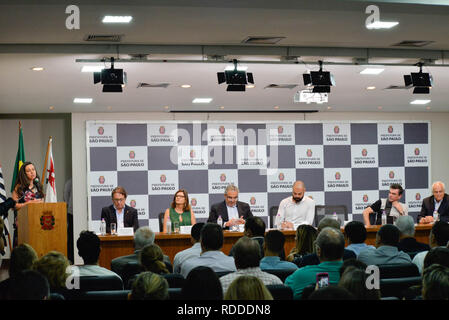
{"x": 262, "y": 40}
{"x": 413, "y": 43}
{"x": 152, "y": 85}
{"x": 104, "y": 38}
{"x": 281, "y": 86}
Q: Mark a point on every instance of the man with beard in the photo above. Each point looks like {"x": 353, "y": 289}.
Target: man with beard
{"x": 295, "y": 210}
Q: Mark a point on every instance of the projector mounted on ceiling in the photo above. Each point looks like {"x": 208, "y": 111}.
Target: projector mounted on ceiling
{"x": 235, "y": 78}
{"x": 421, "y": 81}
{"x": 321, "y": 81}
{"x": 112, "y": 79}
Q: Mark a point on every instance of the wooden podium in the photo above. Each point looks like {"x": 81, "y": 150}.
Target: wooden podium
{"x": 44, "y": 227}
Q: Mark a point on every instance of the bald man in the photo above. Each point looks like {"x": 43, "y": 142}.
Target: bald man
{"x": 295, "y": 210}
{"x": 439, "y": 202}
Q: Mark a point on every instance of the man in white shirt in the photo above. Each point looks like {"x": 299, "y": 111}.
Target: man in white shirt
{"x": 192, "y": 252}
{"x": 296, "y": 210}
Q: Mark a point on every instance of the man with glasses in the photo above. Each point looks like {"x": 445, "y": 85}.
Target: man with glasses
{"x": 232, "y": 211}
{"x": 119, "y": 213}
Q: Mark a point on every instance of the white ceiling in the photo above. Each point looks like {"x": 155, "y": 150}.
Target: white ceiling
{"x": 334, "y": 31}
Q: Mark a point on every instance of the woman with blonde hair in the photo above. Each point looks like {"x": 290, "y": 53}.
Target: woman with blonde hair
{"x": 53, "y": 266}
{"x": 247, "y": 288}
{"x": 149, "y": 286}
{"x": 152, "y": 259}
{"x": 179, "y": 212}
{"x": 304, "y": 242}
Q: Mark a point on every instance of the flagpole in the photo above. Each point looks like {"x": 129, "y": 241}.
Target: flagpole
{"x": 45, "y": 165}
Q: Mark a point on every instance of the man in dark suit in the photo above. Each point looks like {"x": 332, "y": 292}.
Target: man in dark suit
{"x": 232, "y": 211}
{"x": 119, "y": 213}
{"x": 439, "y": 202}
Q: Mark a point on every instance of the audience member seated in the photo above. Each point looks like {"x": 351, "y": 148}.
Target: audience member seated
{"x": 54, "y": 266}
{"x": 304, "y": 242}
{"x": 88, "y": 245}
{"x": 29, "y": 285}
{"x": 330, "y": 245}
{"x": 193, "y": 252}
{"x": 386, "y": 252}
{"x": 247, "y": 288}
{"x": 354, "y": 280}
{"x": 273, "y": 246}
{"x": 149, "y": 286}
{"x": 355, "y": 235}
{"x": 312, "y": 259}
{"x": 439, "y": 236}
{"x": 22, "y": 258}
{"x": 211, "y": 256}
{"x": 247, "y": 261}
{"x": 352, "y": 263}
{"x": 435, "y": 283}
{"x": 255, "y": 229}
{"x": 179, "y": 212}
{"x": 202, "y": 283}
{"x": 142, "y": 237}
{"x": 151, "y": 259}
{"x": 407, "y": 242}
{"x": 331, "y": 293}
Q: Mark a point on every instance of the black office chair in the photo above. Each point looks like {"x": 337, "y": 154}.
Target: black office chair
{"x": 395, "y": 287}
{"x": 328, "y": 210}
{"x": 130, "y": 270}
{"x": 105, "y": 295}
{"x": 161, "y": 221}
{"x": 280, "y": 291}
{"x": 98, "y": 283}
{"x": 175, "y": 280}
{"x": 175, "y": 294}
{"x": 281, "y": 274}
{"x": 398, "y": 270}
{"x": 273, "y": 213}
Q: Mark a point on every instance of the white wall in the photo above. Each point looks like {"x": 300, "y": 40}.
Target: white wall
{"x": 439, "y": 141}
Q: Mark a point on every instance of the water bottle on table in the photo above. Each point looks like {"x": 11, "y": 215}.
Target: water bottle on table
{"x": 435, "y": 216}
{"x": 384, "y": 217}
{"x": 168, "y": 225}
{"x": 103, "y": 227}
{"x": 220, "y": 221}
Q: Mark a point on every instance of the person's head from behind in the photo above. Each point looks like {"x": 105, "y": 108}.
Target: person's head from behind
{"x": 246, "y": 253}
{"x": 439, "y": 235}
{"x": 388, "y": 235}
{"x": 53, "y": 266}
{"x": 331, "y": 293}
{"x": 305, "y": 239}
{"x": 254, "y": 227}
{"x": 437, "y": 255}
{"x": 143, "y": 237}
{"x": 395, "y": 192}
{"x": 247, "y": 288}
{"x": 152, "y": 259}
{"x": 202, "y": 283}
{"x": 149, "y": 286}
{"x": 352, "y": 263}
{"x": 330, "y": 244}
{"x": 274, "y": 243}
{"x": 28, "y": 285}
{"x": 211, "y": 237}
{"x": 354, "y": 279}
{"x": 328, "y": 222}
{"x": 406, "y": 226}
{"x": 88, "y": 245}
{"x": 22, "y": 258}
{"x": 435, "y": 283}
{"x": 355, "y": 232}
{"x": 195, "y": 232}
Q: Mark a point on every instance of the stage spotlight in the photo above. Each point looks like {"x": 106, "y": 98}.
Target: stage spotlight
{"x": 420, "y": 81}
{"x": 112, "y": 79}
{"x": 235, "y": 78}
{"x": 321, "y": 81}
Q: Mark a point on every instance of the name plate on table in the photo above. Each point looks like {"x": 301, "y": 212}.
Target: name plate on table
{"x": 185, "y": 229}
{"x": 125, "y": 231}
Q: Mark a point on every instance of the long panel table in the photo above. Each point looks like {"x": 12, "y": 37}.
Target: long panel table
{"x": 116, "y": 246}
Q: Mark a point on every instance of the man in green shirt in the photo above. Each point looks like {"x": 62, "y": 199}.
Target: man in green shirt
{"x": 330, "y": 245}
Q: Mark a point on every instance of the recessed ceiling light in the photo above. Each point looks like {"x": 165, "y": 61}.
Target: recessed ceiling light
{"x": 382, "y": 25}
{"x": 427, "y": 108}
{"x": 380, "y": 108}
{"x": 82, "y": 100}
{"x": 202, "y": 100}
{"x": 329, "y": 108}
{"x": 276, "y": 107}
{"x": 420, "y": 102}
{"x": 222, "y": 107}
{"x": 166, "y": 107}
{"x": 92, "y": 68}
{"x": 373, "y": 71}
{"x": 186, "y": 86}
{"x": 51, "y": 107}
{"x": 250, "y": 86}
{"x": 117, "y": 19}
{"x": 371, "y": 88}
{"x": 37, "y": 68}
{"x": 239, "y": 68}
{"x": 109, "y": 108}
